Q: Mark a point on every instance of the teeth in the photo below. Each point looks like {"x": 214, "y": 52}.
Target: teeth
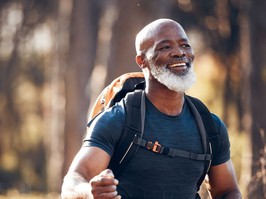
{"x": 177, "y": 65}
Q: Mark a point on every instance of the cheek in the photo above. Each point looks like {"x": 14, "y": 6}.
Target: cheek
{"x": 153, "y": 56}
{"x": 157, "y": 59}
{"x": 191, "y": 55}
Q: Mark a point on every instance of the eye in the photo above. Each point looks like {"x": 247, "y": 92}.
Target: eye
{"x": 186, "y": 46}
{"x": 165, "y": 47}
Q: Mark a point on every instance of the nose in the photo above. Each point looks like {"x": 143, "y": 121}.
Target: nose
{"x": 177, "y": 51}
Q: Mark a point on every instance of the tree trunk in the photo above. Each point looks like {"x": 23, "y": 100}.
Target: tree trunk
{"x": 82, "y": 50}
{"x": 54, "y": 116}
{"x": 257, "y": 188}
{"x": 132, "y": 16}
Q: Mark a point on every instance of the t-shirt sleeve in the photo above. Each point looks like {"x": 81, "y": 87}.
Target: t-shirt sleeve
{"x": 223, "y": 152}
{"x": 105, "y": 131}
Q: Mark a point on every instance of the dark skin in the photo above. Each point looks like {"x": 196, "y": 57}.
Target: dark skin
{"x": 162, "y": 49}
{"x": 88, "y": 176}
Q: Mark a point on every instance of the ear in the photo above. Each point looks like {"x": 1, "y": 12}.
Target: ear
{"x": 140, "y": 60}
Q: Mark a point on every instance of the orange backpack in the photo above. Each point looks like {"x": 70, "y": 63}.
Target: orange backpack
{"x": 115, "y": 91}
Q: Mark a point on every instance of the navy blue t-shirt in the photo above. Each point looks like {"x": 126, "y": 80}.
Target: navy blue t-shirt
{"x": 153, "y": 175}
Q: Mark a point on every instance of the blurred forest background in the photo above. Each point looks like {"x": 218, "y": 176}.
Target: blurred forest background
{"x": 57, "y": 55}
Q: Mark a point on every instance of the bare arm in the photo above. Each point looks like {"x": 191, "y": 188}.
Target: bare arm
{"x": 223, "y": 182}
{"x": 88, "y": 177}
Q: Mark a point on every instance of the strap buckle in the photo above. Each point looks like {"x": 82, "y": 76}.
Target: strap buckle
{"x": 155, "y": 147}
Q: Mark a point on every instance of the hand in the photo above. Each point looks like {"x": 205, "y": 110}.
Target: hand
{"x": 103, "y": 186}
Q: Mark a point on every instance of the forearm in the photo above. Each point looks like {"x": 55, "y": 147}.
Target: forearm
{"x": 75, "y": 187}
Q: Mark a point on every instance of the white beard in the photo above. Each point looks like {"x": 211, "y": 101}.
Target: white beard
{"x": 176, "y": 82}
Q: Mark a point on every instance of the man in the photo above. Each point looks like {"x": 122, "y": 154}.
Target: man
{"x": 165, "y": 56}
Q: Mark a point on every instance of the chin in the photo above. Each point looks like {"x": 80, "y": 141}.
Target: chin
{"x": 179, "y": 82}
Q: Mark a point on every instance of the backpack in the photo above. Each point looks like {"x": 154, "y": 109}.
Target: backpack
{"x": 130, "y": 88}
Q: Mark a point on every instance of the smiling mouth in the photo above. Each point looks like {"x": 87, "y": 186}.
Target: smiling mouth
{"x": 178, "y": 65}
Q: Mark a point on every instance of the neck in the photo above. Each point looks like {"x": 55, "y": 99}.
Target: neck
{"x": 167, "y": 101}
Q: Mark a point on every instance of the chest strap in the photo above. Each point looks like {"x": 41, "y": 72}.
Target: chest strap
{"x": 158, "y": 148}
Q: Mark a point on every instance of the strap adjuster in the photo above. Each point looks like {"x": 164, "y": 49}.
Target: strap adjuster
{"x": 155, "y": 147}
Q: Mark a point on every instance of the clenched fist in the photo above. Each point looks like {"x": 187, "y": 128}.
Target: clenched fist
{"x": 103, "y": 186}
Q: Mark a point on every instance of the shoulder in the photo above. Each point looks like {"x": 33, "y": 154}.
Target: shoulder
{"x": 110, "y": 115}
{"x": 221, "y": 127}
{"x": 222, "y": 145}
{"x": 208, "y": 118}
{"x": 105, "y": 130}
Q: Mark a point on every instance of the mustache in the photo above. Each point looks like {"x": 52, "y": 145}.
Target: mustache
{"x": 180, "y": 59}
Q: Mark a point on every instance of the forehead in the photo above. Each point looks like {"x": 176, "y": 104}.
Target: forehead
{"x": 161, "y": 32}
{"x": 168, "y": 31}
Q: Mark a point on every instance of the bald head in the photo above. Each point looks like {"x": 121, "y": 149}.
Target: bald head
{"x": 144, "y": 37}
{"x": 165, "y": 55}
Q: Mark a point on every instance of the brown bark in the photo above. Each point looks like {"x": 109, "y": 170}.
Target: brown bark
{"x": 257, "y": 23}
{"x": 83, "y": 40}
{"x": 132, "y": 16}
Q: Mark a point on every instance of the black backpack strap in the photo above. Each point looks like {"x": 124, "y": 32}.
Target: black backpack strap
{"x": 207, "y": 118}
{"x": 211, "y": 132}
{"x": 134, "y": 103}
{"x": 130, "y": 85}
{"x": 156, "y": 147}
{"x": 134, "y": 127}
